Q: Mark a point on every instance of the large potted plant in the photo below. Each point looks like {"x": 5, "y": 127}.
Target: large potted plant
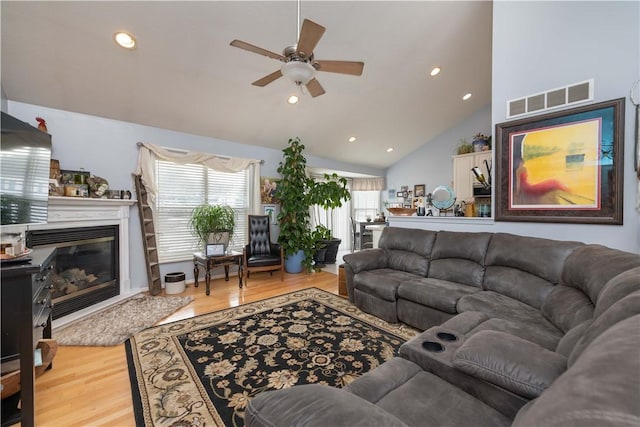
{"x": 213, "y": 224}
{"x": 329, "y": 194}
{"x": 293, "y": 193}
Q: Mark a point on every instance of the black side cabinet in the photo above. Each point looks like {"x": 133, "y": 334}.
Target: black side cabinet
{"x": 26, "y": 318}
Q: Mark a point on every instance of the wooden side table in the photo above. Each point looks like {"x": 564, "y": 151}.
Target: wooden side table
{"x": 342, "y": 282}
{"x": 209, "y": 262}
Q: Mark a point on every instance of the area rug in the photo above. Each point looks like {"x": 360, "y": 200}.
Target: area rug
{"x": 204, "y": 370}
{"x": 115, "y": 324}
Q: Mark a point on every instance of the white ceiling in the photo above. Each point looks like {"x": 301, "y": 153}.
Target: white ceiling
{"x": 184, "y": 76}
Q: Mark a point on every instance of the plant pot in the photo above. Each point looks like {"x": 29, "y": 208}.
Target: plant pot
{"x": 480, "y": 145}
{"x": 332, "y": 250}
{"x": 319, "y": 255}
{"x": 222, "y": 237}
{"x": 293, "y": 263}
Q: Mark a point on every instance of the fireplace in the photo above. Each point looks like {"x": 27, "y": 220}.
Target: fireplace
{"x": 85, "y": 268}
{"x": 76, "y": 219}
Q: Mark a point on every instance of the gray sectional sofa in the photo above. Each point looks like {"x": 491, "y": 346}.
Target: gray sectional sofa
{"x": 516, "y": 331}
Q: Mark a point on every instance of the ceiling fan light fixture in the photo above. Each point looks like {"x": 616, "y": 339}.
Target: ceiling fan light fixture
{"x": 298, "y": 72}
{"x": 293, "y": 99}
{"x": 467, "y": 96}
{"x": 352, "y": 139}
{"x": 435, "y": 71}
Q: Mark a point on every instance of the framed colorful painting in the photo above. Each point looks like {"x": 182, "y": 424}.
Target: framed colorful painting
{"x": 564, "y": 166}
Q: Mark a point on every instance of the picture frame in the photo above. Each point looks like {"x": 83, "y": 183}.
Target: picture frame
{"x": 74, "y": 177}
{"x": 562, "y": 167}
{"x": 419, "y": 190}
{"x": 271, "y": 211}
{"x": 215, "y": 249}
{"x": 399, "y": 194}
{"x": 268, "y": 188}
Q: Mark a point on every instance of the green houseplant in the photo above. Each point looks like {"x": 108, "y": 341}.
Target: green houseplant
{"x": 295, "y": 235}
{"x": 328, "y": 194}
{"x": 212, "y": 224}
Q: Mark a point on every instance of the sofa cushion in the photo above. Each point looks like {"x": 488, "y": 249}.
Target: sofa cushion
{"x": 423, "y": 399}
{"x": 463, "y": 323}
{"x": 315, "y": 405}
{"x": 617, "y": 288}
{"x": 410, "y": 262}
{"x": 567, "y": 307}
{"x": 440, "y": 294}
{"x": 569, "y": 340}
{"x": 526, "y": 331}
{"x": 525, "y": 268}
{"x": 366, "y": 260}
{"x": 599, "y": 390}
{"x": 590, "y": 267}
{"x": 382, "y": 283}
{"x": 502, "y": 307}
{"x": 411, "y": 240}
{"x": 627, "y": 307}
{"x": 459, "y": 257}
{"x": 517, "y": 365}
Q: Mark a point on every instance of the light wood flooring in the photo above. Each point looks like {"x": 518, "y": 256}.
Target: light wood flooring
{"x": 89, "y": 386}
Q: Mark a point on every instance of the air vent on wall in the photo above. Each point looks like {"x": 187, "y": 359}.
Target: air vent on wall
{"x": 551, "y": 99}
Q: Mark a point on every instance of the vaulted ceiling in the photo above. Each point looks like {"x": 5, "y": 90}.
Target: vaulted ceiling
{"x": 185, "y": 76}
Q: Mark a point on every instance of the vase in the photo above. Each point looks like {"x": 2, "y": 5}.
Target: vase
{"x": 480, "y": 145}
{"x": 293, "y": 263}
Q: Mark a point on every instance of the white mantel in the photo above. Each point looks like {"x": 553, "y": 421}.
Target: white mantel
{"x": 69, "y": 212}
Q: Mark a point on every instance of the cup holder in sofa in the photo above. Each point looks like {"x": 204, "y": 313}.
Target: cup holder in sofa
{"x": 446, "y": 336}
{"x": 432, "y": 346}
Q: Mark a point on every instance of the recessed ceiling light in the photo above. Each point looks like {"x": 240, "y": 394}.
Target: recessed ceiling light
{"x": 467, "y": 96}
{"x": 389, "y": 150}
{"x": 435, "y": 71}
{"x": 124, "y": 40}
{"x": 293, "y": 99}
{"x": 352, "y": 139}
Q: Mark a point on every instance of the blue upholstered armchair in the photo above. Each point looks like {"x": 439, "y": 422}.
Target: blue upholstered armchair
{"x": 261, "y": 254}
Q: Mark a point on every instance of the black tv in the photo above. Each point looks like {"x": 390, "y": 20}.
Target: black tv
{"x": 25, "y": 157}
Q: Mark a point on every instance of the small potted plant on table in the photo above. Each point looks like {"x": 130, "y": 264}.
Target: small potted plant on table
{"x": 213, "y": 224}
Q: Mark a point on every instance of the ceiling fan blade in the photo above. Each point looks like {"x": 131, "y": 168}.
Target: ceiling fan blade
{"x": 309, "y": 37}
{"x": 268, "y": 79}
{"x": 255, "y": 49}
{"x": 314, "y": 88}
{"x": 343, "y": 67}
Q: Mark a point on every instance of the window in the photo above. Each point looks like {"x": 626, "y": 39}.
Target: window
{"x": 183, "y": 187}
{"x": 365, "y": 204}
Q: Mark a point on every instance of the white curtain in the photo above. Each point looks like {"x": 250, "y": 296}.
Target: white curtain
{"x": 367, "y": 184}
{"x": 148, "y": 154}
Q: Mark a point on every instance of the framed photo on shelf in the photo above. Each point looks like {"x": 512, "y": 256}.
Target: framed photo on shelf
{"x": 563, "y": 167}
{"x": 418, "y": 190}
{"x": 215, "y": 249}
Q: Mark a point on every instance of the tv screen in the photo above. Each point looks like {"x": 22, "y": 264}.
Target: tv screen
{"x": 25, "y": 155}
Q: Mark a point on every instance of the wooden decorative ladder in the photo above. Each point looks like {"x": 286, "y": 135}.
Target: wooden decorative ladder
{"x": 148, "y": 238}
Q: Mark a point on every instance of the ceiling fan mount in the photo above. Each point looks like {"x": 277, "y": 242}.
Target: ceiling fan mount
{"x": 300, "y": 65}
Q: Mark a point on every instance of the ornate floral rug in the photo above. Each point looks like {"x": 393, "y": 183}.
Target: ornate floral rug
{"x": 204, "y": 370}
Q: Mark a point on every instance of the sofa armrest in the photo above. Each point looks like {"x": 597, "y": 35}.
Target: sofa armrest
{"x": 510, "y": 362}
{"x": 315, "y": 405}
{"x": 369, "y": 259}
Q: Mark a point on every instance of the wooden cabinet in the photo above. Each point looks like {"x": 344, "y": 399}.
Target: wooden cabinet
{"x": 463, "y": 178}
{"x": 26, "y": 318}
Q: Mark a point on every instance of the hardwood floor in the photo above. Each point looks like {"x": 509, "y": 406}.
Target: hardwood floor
{"x": 89, "y": 386}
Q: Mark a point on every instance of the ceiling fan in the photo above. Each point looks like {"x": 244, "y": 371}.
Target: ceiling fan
{"x": 300, "y": 66}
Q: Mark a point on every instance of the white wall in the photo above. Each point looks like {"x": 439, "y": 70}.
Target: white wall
{"x": 543, "y": 45}
{"x": 539, "y": 46}
{"x": 107, "y": 148}
{"x": 432, "y": 164}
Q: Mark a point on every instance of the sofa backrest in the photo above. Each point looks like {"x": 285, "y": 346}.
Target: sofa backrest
{"x": 525, "y": 268}
{"x": 407, "y": 249}
{"x": 599, "y": 389}
{"x": 586, "y": 272}
{"x": 459, "y": 257}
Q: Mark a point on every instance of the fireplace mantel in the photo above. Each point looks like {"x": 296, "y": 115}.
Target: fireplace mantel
{"x": 71, "y": 212}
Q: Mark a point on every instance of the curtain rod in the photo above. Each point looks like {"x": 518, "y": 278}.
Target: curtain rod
{"x": 177, "y": 150}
